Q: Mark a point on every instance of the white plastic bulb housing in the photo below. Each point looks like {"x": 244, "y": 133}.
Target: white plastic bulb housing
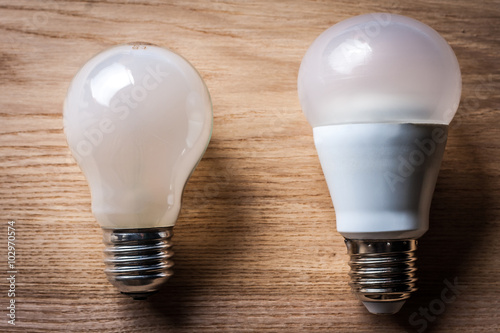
{"x": 138, "y": 119}
{"x": 379, "y": 91}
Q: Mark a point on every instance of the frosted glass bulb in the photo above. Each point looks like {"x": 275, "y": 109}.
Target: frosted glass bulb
{"x": 379, "y": 91}
{"x": 138, "y": 119}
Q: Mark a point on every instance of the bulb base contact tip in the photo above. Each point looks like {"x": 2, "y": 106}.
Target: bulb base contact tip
{"x": 382, "y": 272}
{"x": 138, "y": 261}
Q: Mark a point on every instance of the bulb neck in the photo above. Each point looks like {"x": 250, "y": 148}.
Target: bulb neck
{"x": 382, "y": 272}
{"x": 138, "y": 261}
{"x": 381, "y": 176}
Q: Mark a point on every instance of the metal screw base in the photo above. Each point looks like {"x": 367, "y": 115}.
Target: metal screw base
{"x": 138, "y": 260}
{"x": 382, "y": 270}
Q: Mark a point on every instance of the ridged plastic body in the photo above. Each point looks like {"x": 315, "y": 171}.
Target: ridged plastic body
{"x": 381, "y": 177}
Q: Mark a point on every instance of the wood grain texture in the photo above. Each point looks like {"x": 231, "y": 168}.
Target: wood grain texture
{"x": 256, "y": 245}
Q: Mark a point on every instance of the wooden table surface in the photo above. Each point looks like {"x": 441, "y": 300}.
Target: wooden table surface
{"x": 256, "y": 245}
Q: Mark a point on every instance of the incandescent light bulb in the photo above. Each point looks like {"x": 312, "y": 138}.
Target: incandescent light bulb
{"x": 379, "y": 91}
{"x": 138, "y": 119}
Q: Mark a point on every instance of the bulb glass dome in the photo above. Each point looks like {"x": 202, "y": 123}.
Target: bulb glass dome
{"x": 379, "y": 68}
{"x": 137, "y": 118}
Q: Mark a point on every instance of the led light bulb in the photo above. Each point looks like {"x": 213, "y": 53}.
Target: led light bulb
{"x": 379, "y": 91}
{"x": 138, "y": 119}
